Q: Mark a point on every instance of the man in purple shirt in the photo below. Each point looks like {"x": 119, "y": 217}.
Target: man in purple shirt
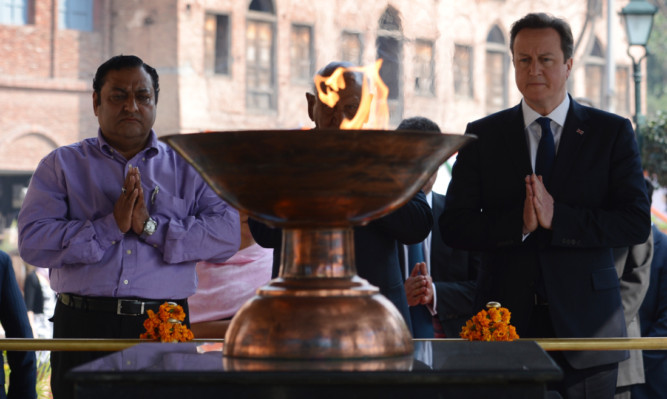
{"x": 120, "y": 219}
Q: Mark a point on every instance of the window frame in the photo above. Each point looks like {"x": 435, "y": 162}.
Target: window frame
{"x": 307, "y": 77}
{"x": 12, "y": 18}
{"x": 211, "y": 54}
{"x": 69, "y": 18}
{"x": 257, "y": 17}
{"x": 417, "y": 63}
{"x": 458, "y": 91}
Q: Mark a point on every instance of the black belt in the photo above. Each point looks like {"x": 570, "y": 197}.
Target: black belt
{"x": 119, "y": 306}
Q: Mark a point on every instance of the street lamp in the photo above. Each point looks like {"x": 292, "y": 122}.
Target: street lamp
{"x": 638, "y": 18}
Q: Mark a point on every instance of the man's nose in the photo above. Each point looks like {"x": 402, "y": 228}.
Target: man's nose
{"x": 130, "y": 104}
{"x": 534, "y": 68}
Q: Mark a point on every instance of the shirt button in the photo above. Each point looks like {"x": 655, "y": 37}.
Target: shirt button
{"x": 113, "y": 242}
{"x": 143, "y": 159}
{"x": 125, "y": 282}
{"x": 129, "y": 252}
{"x": 154, "y": 245}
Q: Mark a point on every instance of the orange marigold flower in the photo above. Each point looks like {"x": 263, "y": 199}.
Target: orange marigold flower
{"x": 491, "y": 325}
{"x": 166, "y": 325}
{"x": 178, "y": 313}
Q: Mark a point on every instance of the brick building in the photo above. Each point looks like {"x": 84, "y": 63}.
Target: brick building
{"x": 245, "y": 64}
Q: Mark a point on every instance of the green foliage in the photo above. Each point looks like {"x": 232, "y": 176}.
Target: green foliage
{"x": 653, "y": 142}
{"x": 656, "y": 67}
{"x": 43, "y": 378}
{"x": 654, "y": 133}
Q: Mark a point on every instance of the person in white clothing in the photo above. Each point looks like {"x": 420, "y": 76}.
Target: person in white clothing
{"x": 224, "y": 287}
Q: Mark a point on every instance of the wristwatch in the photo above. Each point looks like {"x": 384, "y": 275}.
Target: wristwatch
{"x": 150, "y": 225}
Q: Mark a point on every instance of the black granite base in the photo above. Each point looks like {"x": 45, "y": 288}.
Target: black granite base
{"x": 438, "y": 369}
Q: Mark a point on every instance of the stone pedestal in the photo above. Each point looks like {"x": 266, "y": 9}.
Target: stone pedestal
{"x": 437, "y": 369}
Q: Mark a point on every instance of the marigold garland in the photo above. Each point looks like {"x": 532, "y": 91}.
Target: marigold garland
{"x": 166, "y": 325}
{"x": 490, "y": 325}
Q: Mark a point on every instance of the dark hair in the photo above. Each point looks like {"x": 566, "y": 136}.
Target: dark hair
{"x": 119, "y": 62}
{"x": 418, "y": 123}
{"x": 331, "y": 67}
{"x": 544, "y": 21}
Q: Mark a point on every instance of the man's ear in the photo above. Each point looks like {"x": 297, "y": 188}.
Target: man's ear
{"x": 95, "y": 102}
{"x": 310, "y": 97}
{"x": 568, "y": 65}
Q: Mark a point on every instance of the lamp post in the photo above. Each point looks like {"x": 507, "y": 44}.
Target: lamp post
{"x": 638, "y": 18}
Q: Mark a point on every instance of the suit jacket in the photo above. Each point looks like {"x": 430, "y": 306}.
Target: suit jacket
{"x": 375, "y": 249}
{"x": 454, "y": 274}
{"x": 653, "y": 320}
{"x": 633, "y": 266}
{"x": 600, "y": 202}
{"x": 14, "y": 319}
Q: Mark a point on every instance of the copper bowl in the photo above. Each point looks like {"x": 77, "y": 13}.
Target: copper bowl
{"x": 310, "y": 178}
{"x": 316, "y": 185}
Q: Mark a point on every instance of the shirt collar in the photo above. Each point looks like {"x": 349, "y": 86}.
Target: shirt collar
{"x": 558, "y": 115}
{"x": 151, "y": 150}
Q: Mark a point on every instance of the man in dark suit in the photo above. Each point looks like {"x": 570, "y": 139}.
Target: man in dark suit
{"x": 633, "y": 265}
{"x": 14, "y": 319}
{"x": 440, "y": 289}
{"x": 375, "y": 244}
{"x": 548, "y": 234}
{"x": 653, "y": 321}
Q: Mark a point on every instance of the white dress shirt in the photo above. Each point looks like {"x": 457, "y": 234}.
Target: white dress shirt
{"x": 534, "y": 131}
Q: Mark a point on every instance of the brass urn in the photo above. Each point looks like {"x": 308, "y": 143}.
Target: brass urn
{"x": 317, "y": 185}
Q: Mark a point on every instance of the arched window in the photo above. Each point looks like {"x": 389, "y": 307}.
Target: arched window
{"x": 496, "y": 70}
{"x": 389, "y": 44}
{"x": 23, "y": 153}
{"x": 260, "y": 55}
{"x": 262, "y": 6}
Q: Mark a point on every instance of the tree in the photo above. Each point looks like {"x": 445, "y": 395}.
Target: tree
{"x": 653, "y": 144}
{"x": 656, "y": 66}
{"x": 653, "y": 138}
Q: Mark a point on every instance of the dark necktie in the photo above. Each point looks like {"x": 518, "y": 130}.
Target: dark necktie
{"x": 421, "y": 318}
{"x": 546, "y": 150}
{"x": 544, "y": 162}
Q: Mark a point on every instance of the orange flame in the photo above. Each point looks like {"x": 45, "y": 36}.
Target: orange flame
{"x": 373, "y": 112}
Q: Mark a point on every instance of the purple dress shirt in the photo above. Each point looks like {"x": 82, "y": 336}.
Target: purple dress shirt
{"x": 66, "y": 222}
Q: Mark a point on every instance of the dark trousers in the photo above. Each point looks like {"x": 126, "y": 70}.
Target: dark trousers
{"x": 597, "y": 382}
{"x": 76, "y": 323}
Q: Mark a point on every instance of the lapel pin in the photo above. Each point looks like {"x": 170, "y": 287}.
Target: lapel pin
{"x": 580, "y": 132}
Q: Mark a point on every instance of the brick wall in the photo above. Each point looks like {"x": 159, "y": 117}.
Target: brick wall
{"x": 46, "y": 72}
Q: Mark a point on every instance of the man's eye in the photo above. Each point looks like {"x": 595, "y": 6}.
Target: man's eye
{"x": 117, "y": 97}
{"x": 144, "y": 99}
